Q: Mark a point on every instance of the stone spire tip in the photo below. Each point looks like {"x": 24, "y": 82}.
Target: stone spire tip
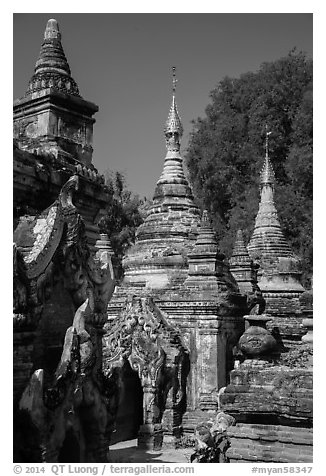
{"x": 267, "y": 175}
{"x": 173, "y": 124}
{"x": 268, "y": 133}
{"x": 174, "y": 80}
{"x": 52, "y": 70}
{"x": 52, "y": 30}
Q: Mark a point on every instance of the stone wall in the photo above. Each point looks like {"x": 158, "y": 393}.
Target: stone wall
{"x": 270, "y": 444}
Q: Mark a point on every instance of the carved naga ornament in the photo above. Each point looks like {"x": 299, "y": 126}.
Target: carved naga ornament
{"x": 78, "y": 395}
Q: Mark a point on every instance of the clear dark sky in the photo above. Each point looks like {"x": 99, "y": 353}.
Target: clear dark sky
{"x": 122, "y": 62}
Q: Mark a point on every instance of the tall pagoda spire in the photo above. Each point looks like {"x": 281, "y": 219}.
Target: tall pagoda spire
{"x": 172, "y": 188}
{"x": 169, "y": 230}
{"x": 279, "y": 269}
{"x": 52, "y": 118}
{"x": 268, "y": 237}
{"x": 52, "y": 69}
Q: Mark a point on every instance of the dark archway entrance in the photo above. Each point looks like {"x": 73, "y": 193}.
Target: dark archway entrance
{"x": 130, "y": 410}
{"x": 70, "y": 450}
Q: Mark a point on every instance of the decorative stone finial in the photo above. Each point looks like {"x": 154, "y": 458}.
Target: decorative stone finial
{"x": 52, "y": 30}
{"x": 267, "y": 175}
{"x": 173, "y": 127}
{"x": 268, "y": 133}
{"x": 257, "y": 342}
{"x": 174, "y": 80}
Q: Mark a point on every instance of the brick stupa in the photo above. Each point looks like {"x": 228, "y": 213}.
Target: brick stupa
{"x": 175, "y": 260}
{"x": 53, "y": 136}
{"x": 158, "y": 258}
{"x": 279, "y": 269}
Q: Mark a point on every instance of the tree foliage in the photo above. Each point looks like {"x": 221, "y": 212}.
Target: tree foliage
{"x": 226, "y": 151}
{"x": 124, "y": 215}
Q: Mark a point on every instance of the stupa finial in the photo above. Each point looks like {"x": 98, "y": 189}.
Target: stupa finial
{"x": 52, "y": 70}
{"x": 173, "y": 128}
{"x": 174, "y": 80}
{"x": 267, "y": 176}
{"x": 52, "y": 30}
{"x": 268, "y": 133}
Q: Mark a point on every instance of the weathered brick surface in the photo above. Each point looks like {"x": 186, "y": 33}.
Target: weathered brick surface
{"x": 270, "y": 443}
{"x": 277, "y": 391}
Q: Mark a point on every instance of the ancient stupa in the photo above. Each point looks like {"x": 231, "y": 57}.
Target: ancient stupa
{"x": 279, "y": 269}
{"x": 159, "y": 257}
{"x": 53, "y": 136}
{"x": 176, "y": 261}
{"x": 52, "y": 117}
{"x": 279, "y": 273}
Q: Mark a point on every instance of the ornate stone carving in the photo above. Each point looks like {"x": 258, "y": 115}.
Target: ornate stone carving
{"x": 77, "y": 395}
{"x": 52, "y": 69}
{"x": 143, "y": 336}
{"x": 257, "y": 341}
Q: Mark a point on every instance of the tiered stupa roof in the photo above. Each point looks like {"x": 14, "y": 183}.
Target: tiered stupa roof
{"x": 207, "y": 270}
{"x": 280, "y": 271}
{"x": 240, "y": 253}
{"x": 52, "y": 69}
{"x": 52, "y": 118}
{"x": 53, "y": 132}
{"x": 241, "y": 265}
{"x": 169, "y": 230}
{"x": 268, "y": 239}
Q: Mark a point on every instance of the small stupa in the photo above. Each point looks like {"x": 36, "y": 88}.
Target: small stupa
{"x": 279, "y": 269}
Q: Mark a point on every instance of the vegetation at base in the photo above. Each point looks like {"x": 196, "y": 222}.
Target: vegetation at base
{"x": 125, "y": 213}
{"x": 226, "y": 152}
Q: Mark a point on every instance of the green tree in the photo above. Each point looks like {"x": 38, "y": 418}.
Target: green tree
{"x": 226, "y": 151}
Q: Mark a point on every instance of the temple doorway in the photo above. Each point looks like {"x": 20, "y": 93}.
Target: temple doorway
{"x": 130, "y": 410}
{"x": 70, "y": 450}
